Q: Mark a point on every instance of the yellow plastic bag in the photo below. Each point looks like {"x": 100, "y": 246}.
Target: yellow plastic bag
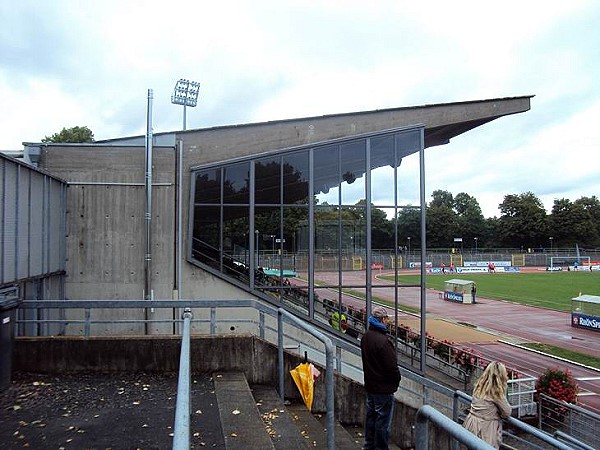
{"x": 304, "y": 376}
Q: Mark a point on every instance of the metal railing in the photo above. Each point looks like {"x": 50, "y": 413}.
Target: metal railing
{"x": 462, "y": 398}
{"x": 427, "y": 414}
{"x": 424, "y": 391}
{"x": 328, "y": 373}
{"x": 562, "y": 418}
{"x": 183, "y": 406}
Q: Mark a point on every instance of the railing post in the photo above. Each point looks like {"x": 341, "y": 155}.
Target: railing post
{"x": 183, "y": 407}
{"x": 329, "y": 357}
{"x": 280, "y": 353}
{"x": 88, "y": 323}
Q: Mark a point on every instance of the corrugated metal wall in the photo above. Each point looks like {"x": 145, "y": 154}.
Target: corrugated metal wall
{"x": 32, "y": 229}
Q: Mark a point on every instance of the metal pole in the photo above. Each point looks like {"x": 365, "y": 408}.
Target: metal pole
{"x": 148, "y": 211}
{"x": 184, "y": 118}
{"x": 427, "y": 414}
{"x": 181, "y": 433}
{"x": 179, "y": 219}
{"x": 423, "y": 255}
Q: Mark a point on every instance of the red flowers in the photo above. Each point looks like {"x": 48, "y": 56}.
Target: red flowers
{"x": 558, "y": 384}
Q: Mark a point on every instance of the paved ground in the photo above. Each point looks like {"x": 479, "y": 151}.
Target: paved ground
{"x": 103, "y": 411}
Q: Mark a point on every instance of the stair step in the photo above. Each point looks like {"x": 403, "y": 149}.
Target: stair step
{"x": 242, "y": 424}
{"x": 280, "y": 426}
{"x": 315, "y": 431}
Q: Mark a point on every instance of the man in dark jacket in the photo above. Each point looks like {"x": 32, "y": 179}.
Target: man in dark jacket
{"x": 382, "y": 377}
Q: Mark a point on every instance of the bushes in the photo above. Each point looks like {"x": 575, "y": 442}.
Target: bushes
{"x": 558, "y": 384}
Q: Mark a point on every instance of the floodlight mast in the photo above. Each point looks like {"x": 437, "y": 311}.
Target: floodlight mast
{"x": 185, "y": 94}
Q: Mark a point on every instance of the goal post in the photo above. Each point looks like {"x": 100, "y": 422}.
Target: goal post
{"x": 518, "y": 259}
{"x": 456, "y": 259}
{"x": 570, "y": 261}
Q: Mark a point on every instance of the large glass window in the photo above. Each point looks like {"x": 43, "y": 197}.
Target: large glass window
{"x": 322, "y": 229}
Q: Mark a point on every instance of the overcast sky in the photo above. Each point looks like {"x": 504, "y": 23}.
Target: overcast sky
{"x": 66, "y": 63}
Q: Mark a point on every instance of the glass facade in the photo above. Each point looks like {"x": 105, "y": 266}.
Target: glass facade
{"x": 309, "y": 227}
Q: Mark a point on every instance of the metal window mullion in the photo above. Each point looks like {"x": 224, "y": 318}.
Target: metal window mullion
{"x": 395, "y": 253}
{"x": 369, "y": 283}
{"x": 191, "y": 215}
{"x": 339, "y": 243}
{"x": 423, "y": 249}
{"x": 252, "y": 229}
{"x": 2, "y": 224}
{"x": 281, "y": 221}
{"x": 311, "y": 237}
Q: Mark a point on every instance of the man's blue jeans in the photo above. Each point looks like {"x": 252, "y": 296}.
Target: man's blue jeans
{"x": 377, "y": 424}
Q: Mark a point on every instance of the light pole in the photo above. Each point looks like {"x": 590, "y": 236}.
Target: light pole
{"x": 408, "y": 255}
{"x": 186, "y": 94}
{"x": 551, "y": 244}
{"x": 475, "y": 246}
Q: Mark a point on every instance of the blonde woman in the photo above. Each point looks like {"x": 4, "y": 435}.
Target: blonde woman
{"x": 489, "y": 405}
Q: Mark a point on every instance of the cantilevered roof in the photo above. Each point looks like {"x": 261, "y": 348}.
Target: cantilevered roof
{"x": 442, "y": 122}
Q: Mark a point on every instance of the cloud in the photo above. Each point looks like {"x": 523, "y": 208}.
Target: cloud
{"x": 66, "y": 63}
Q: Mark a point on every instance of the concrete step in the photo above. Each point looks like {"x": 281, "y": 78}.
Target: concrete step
{"x": 284, "y": 432}
{"x": 243, "y": 426}
{"x": 316, "y": 432}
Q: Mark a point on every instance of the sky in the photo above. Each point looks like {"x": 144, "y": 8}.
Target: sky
{"x": 66, "y": 63}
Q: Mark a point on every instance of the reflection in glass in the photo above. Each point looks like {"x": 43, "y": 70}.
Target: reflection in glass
{"x": 326, "y": 230}
{"x": 295, "y": 178}
{"x": 268, "y": 181}
{"x": 353, "y": 168}
{"x": 354, "y": 245}
{"x": 282, "y": 233}
{"x": 236, "y": 183}
{"x": 382, "y": 170}
{"x": 208, "y": 186}
{"x": 205, "y": 242}
{"x": 326, "y": 173}
{"x": 236, "y": 246}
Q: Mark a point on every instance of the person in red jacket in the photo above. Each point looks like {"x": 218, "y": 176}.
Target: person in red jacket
{"x": 381, "y": 377}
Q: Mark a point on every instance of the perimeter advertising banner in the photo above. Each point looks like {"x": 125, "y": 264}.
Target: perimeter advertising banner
{"x": 587, "y": 322}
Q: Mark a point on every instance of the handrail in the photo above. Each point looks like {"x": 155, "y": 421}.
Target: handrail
{"x": 539, "y": 434}
{"x": 571, "y": 440}
{"x": 261, "y": 308}
{"x": 183, "y": 406}
{"x": 328, "y": 366}
{"x": 427, "y": 413}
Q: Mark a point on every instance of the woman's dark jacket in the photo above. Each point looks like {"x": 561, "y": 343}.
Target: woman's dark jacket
{"x": 380, "y": 364}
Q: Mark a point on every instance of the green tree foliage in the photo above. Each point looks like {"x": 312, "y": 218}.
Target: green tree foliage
{"x": 591, "y": 205}
{"x": 523, "y": 221}
{"x": 409, "y": 226}
{"x": 71, "y": 135}
{"x": 470, "y": 220}
{"x": 442, "y": 226}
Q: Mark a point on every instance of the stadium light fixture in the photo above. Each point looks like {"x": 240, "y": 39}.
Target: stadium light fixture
{"x": 185, "y": 94}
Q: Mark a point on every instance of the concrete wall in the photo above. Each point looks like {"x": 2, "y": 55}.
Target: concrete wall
{"x": 105, "y": 227}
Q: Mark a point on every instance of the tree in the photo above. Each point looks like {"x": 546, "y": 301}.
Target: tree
{"x": 441, "y": 198}
{"x": 592, "y": 206}
{"x": 71, "y": 135}
{"x": 471, "y": 223}
{"x": 523, "y": 221}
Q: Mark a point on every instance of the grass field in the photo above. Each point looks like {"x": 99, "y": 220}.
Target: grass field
{"x": 552, "y": 290}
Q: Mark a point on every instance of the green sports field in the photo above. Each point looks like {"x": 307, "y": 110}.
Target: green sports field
{"x": 552, "y": 290}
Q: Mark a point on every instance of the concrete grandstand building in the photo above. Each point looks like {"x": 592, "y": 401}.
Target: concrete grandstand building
{"x": 234, "y": 210}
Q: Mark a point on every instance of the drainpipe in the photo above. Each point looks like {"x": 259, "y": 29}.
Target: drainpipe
{"x": 148, "y": 294}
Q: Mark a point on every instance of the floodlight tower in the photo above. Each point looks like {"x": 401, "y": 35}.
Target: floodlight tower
{"x": 186, "y": 94}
